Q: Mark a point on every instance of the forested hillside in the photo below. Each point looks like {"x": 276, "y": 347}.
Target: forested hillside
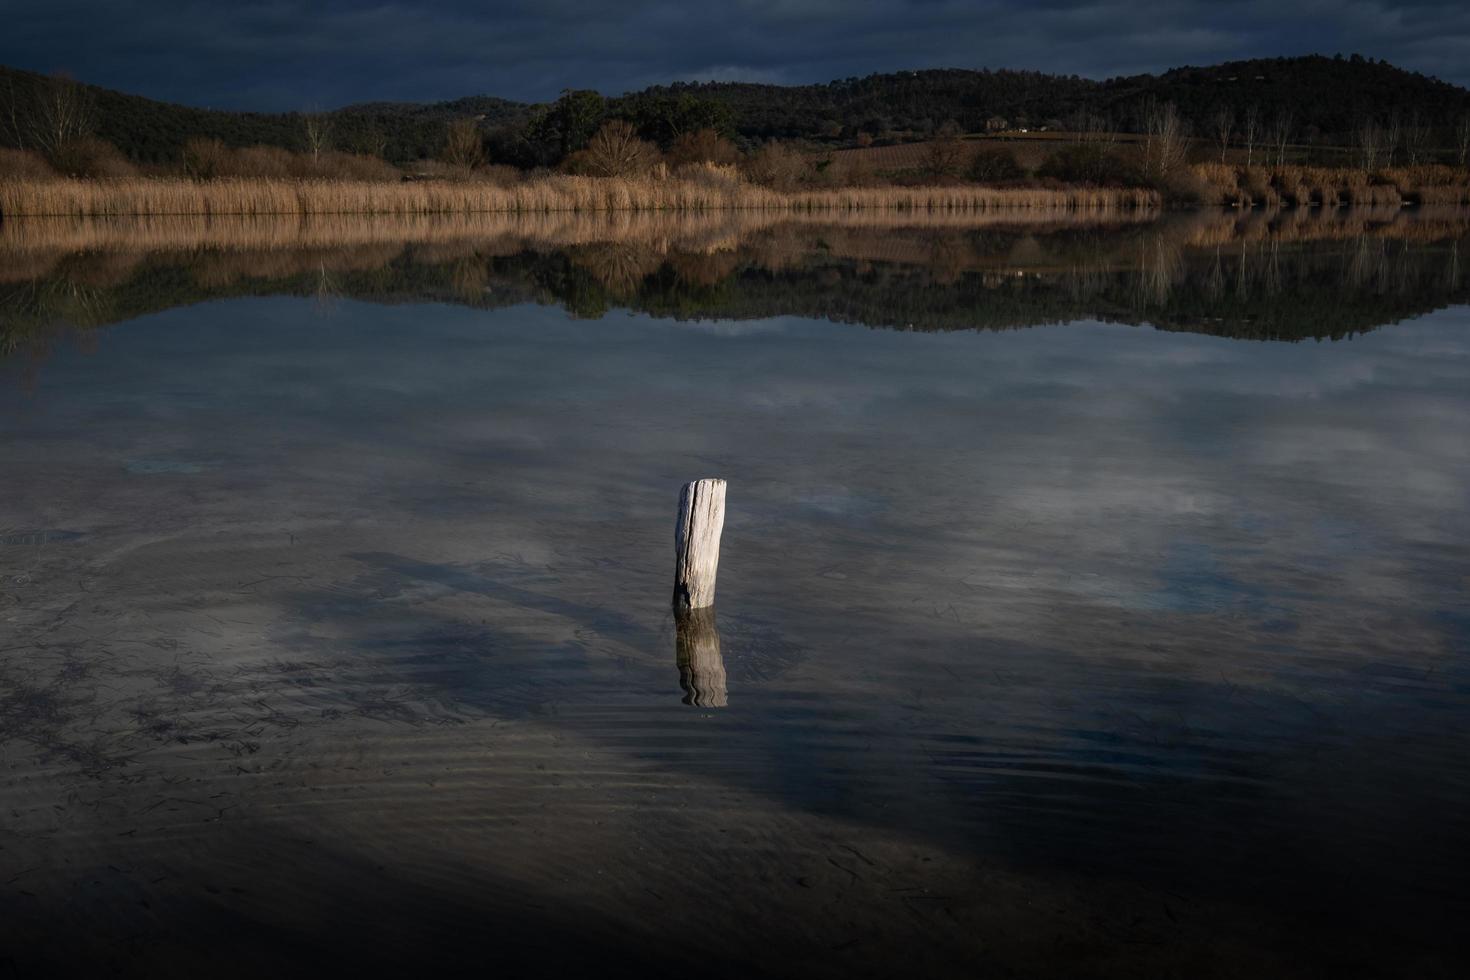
{"x": 1325, "y": 96}
{"x": 1321, "y": 99}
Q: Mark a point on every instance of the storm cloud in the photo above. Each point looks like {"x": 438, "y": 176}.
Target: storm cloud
{"x": 291, "y": 54}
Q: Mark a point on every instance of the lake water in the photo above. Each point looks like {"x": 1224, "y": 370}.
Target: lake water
{"x": 1094, "y": 599}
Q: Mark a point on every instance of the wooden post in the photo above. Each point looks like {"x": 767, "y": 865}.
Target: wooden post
{"x": 697, "y": 543}
{"x": 697, "y": 651}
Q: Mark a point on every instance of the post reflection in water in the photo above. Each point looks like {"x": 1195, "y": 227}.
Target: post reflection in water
{"x": 697, "y": 650}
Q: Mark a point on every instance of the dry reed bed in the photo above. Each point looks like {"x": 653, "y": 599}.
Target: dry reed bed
{"x": 170, "y": 196}
{"x": 1331, "y": 186}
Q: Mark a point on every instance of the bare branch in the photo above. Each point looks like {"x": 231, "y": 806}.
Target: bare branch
{"x": 1250, "y": 133}
{"x": 61, "y": 113}
{"x": 1165, "y": 146}
{"x": 1224, "y": 127}
{"x": 616, "y": 151}
{"x": 316, "y": 130}
{"x": 463, "y": 145}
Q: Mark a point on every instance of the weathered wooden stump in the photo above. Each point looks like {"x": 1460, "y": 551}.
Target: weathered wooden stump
{"x": 697, "y": 650}
{"x": 697, "y": 543}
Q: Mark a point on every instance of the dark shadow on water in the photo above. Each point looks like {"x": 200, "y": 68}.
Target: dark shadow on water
{"x": 283, "y": 906}
{"x": 1227, "y": 813}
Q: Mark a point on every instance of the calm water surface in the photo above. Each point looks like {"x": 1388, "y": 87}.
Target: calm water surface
{"x": 336, "y": 629}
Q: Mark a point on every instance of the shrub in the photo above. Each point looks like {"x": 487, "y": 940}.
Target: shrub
{"x": 995, "y": 165}
{"x": 358, "y": 166}
{"x": 335, "y": 165}
{"x": 1426, "y": 175}
{"x": 205, "y": 159}
{"x": 1293, "y": 186}
{"x": 615, "y": 150}
{"x": 945, "y": 154}
{"x": 94, "y": 158}
{"x": 776, "y": 165}
{"x": 851, "y": 170}
{"x": 24, "y": 165}
{"x": 1216, "y": 183}
{"x": 260, "y": 161}
{"x": 1090, "y": 163}
{"x": 463, "y": 144}
{"x": 702, "y": 146}
{"x": 1255, "y": 183}
{"x": 499, "y": 174}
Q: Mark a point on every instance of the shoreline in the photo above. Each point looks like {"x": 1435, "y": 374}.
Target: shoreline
{"x": 715, "y": 189}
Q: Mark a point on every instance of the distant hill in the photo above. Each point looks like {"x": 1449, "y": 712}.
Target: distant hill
{"x": 155, "y": 132}
{"x": 1326, "y": 97}
{"x": 414, "y": 130}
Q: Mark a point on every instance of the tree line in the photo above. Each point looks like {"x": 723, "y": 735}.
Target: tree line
{"x": 1345, "y": 110}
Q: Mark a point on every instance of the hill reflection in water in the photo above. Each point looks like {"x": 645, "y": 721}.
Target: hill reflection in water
{"x": 1290, "y": 275}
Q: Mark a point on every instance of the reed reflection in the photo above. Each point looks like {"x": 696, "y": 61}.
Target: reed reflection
{"x": 1306, "y": 273}
{"x": 697, "y": 651}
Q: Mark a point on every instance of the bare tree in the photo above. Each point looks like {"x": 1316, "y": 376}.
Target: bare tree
{"x": 1223, "y": 126}
{"x": 1281, "y": 128}
{"x": 1093, "y": 128}
{"x": 616, "y": 151}
{"x": 1462, "y": 139}
{"x": 1416, "y": 139}
{"x": 463, "y": 145}
{"x": 1392, "y": 134}
{"x": 1250, "y": 132}
{"x": 61, "y": 113}
{"x": 205, "y": 159}
{"x": 945, "y": 154}
{"x": 1165, "y": 145}
{"x": 15, "y": 128}
{"x": 316, "y": 130}
{"x": 1371, "y": 138}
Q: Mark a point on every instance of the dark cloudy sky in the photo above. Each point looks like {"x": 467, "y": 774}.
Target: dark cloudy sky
{"x": 287, "y": 54}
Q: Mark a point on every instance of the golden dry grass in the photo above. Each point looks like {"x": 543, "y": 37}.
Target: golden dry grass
{"x": 714, "y": 190}
{"x": 1330, "y": 186}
